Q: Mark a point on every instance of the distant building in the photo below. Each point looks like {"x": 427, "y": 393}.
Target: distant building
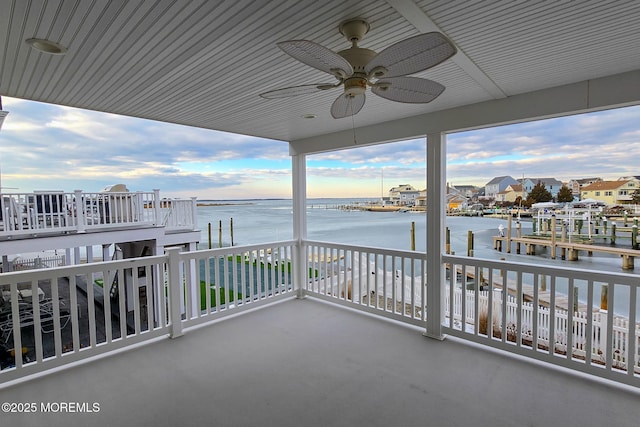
{"x": 468, "y": 191}
{"x": 511, "y": 193}
{"x": 403, "y": 195}
{"x": 552, "y": 185}
{"x": 456, "y": 199}
{"x": 611, "y": 192}
{"x": 576, "y": 185}
{"x": 498, "y": 184}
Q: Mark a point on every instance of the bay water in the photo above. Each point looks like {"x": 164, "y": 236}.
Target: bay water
{"x": 262, "y": 221}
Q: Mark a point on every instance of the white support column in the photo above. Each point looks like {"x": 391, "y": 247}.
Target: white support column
{"x": 299, "y": 189}
{"x": 436, "y": 179}
{"x": 176, "y": 303}
{"x": 194, "y": 211}
{"x": 157, "y": 220}
{"x": 81, "y": 220}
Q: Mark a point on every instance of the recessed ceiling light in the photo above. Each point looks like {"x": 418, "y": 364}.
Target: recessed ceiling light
{"x": 309, "y": 116}
{"x": 47, "y": 46}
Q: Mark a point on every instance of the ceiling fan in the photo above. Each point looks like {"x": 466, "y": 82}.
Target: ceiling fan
{"x": 356, "y": 68}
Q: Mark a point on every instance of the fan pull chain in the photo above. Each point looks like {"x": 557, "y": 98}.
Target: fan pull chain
{"x": 353, "y": 124}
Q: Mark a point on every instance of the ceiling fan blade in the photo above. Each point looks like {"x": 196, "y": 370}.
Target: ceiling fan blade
{"x": 347, "y": 105}
{"x": 317, "y": 56}
{"x": 287, "y": 92}
{"x": 413, "y": 55}
{"x": 411, "y": 90}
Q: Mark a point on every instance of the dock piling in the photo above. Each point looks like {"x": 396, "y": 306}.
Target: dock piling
{"x": 553, "y": 237}
{"x": 448, "y": 240}
{"x": 613, "y": 234}
{"x": 413, "y": 235}
{"x": 470, "y": 243}
{"x": 604, "y": 298}
{"x": 509, "y": 234}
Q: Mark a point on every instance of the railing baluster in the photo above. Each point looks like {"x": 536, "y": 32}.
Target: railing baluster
{"x": 490, "y": 306}
{"x": 633, "y": 346}
{"x": 252, "y": 261}
{"x": 227, "y": 285}
{"x": 150, "y": 299}
{"x": 243, "y": 278}
{"x": 124, "y": 332}
{"x": 570, "y": 321}
{"x": 73, "y": 310}
{"x": 37, "y": 321}
{"x": 588, "y": 349}
{"x": 215, "y": 265}
{"x": 106, "y": 304}
{"x": 413, "y": 288}
{"x": 536, "y": 308}
{"x": 609, "y": 331}
{"x": 206, "y": 262}
{"x": 136, "y": 300}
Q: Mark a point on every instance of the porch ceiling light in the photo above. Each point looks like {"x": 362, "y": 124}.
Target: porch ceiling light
{"x": 47, "y": 46}
{"x": 309, "y": 116}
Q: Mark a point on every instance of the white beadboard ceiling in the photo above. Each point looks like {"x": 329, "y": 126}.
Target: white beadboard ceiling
{"x": 203, "y": 62}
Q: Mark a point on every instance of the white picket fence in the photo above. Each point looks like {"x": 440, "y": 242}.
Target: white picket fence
{"x": 541, "y": 320}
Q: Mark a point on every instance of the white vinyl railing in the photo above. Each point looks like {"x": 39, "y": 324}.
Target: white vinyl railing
{"x": 60, "y": 315}
{"x": 387, "y": 282}
{"x": 547, "y": 313}
{"x": 235, "y": 278}
{"x": 56, "y": 316}
{"x": 38, "y": 212}
{"x": 179, "y": 214}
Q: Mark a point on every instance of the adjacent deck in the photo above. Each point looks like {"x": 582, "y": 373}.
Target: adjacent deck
{"x": 55, "y": 212}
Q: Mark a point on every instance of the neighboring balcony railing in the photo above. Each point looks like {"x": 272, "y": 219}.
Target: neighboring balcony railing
{"x": 50, "y": 212}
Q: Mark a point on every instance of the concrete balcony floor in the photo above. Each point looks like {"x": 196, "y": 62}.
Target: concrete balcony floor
{"x": 309, "y": 363}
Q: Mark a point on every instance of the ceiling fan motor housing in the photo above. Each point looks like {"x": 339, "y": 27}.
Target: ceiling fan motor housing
{"x": 358, "y": 57}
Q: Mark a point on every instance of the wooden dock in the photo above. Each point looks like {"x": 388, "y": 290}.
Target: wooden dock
{"x": 568, "y": 250}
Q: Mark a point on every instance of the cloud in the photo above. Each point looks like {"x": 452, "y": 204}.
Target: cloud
{"x": 45, "y": 146}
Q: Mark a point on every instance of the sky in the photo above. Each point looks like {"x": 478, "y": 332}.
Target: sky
{"x": 49, "y": 147}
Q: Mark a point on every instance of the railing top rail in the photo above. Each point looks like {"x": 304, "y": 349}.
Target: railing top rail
{"x": 29, "y": 275}
{"x": 581, "y": 274}
{"x": 235, "y": 249}
{"x": 393, "y": 252}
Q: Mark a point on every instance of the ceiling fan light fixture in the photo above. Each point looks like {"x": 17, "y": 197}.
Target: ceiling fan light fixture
{"x": 355, "y": 86}
{"x": 46, "y": 46}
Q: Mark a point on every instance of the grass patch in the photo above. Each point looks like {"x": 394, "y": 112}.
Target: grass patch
{"x": 222, "y": 294}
